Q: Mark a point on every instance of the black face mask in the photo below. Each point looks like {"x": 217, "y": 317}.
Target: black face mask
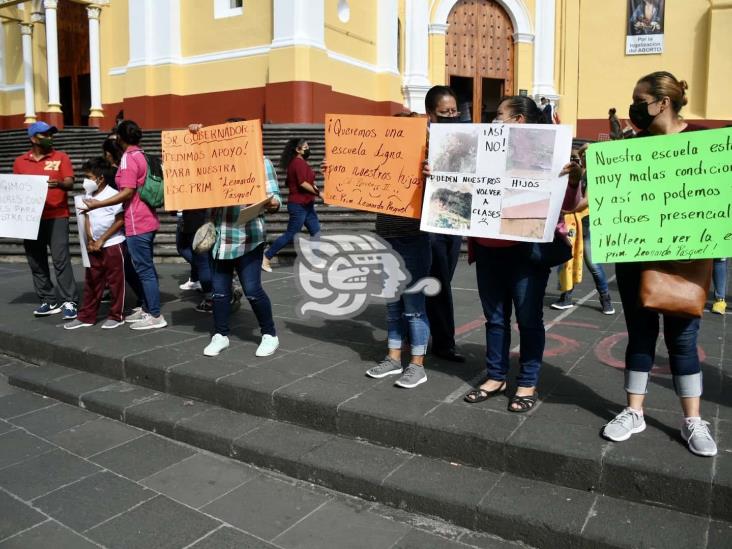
{"x": 306, "y": 154}
{"x": 640, "y": 116}
{"x": 45, "y": 143}
{"x": 447, "y": 119}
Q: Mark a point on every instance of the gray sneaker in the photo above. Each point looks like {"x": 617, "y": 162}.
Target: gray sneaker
{"x": 387, "y": 367}
{"x": 626, "y": 423}
{"x": 414, "y": 375}
{"x": 697, "y": 436}
{"x": 74, "y": 324}
{"x": 149, "y": 322}
{"x": 111, "y": 324}
{"x": 137, "y": 315}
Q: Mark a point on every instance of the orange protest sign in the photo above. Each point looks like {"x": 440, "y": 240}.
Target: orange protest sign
{"x": 375, "y": 163}
{"x": 216, "y": 166}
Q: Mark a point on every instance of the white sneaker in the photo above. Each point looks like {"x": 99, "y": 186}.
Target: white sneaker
{"x": 149, "y": 322}
{"x": 268, "y": 345}
{"x": 137, "y": 315}
{"x": 218, "y": 343}
{"x": 189, "y": 286}
{"x": 266, "y": 266}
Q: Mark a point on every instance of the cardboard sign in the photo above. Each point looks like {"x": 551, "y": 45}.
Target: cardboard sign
{"x": 21, "y": 207}
{"x": 216, "y": 166}
{"x": 659, "y": 198}
{"x": 81, "y": 220}
{"x": 375, "y": 163}
{"x": 496, "y": 180}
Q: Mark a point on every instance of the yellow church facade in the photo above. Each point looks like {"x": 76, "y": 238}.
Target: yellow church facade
{"x": 167, "y": 63}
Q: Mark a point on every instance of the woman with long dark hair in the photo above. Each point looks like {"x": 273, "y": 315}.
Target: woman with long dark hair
{"x": 510, "y": 274}
{"x": 301, "y": 200}
{"x": 657, "y": 101}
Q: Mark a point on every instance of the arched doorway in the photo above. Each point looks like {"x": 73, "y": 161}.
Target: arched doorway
{"x": 73, "y": 63}
{"x": 479, "y": 57}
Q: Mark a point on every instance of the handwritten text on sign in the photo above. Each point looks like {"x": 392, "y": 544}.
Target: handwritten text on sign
{"x": 22, "y": 205}
{"x": 216, "y": 166}
{"x": 496, "y": 180}
{"x": 375, "y": 163}
{"x": 658, "y": 198}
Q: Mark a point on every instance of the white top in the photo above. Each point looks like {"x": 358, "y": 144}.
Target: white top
{"x": 102, "y": 219}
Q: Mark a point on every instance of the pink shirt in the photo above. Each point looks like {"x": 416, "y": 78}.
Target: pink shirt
{"x": 139, "y": 217}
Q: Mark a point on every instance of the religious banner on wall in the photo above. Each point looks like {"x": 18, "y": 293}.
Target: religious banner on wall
{"x": 216, "y": 166}
{"x": 496, "y": 180}
{"x": 375, "y": 163}
{"x": 661, "y": 198}
{"x": 23, "y": 197}
{"x": 645, "y": 30}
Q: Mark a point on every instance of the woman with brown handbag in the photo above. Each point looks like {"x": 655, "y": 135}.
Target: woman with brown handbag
{"x": 657, "y": 101}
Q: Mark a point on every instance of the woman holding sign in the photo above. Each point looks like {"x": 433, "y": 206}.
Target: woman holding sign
{"x": 301, "y": 200}
{"x": 657, "y": 101}
{"x": 509, "y": 274}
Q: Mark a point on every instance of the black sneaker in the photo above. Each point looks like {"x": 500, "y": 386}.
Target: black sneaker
{"x": 205, "y": 306}
{"x": 607, "y": 304}
{"x": 564, "y": 301}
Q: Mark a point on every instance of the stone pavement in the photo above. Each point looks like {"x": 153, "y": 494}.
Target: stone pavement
{"x": 546, "y": 478}
{"x": 73, "y": 479}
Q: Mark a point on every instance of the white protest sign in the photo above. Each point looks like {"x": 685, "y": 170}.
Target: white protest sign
{"x": 496, "y": 180}
{"x": 21, "y": 204}
{"x": 81, "y": 227}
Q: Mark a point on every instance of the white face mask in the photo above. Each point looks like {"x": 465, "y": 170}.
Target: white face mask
{"x": 90, "y": 186}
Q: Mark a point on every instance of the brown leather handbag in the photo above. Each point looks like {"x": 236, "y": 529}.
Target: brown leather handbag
{"x": 676, "y": 288}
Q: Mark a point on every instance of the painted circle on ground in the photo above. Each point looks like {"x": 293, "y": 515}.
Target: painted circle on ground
{"x": 604, "y": 351}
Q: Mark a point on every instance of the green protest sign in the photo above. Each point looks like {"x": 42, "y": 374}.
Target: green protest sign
{"x": 661, "y": 198}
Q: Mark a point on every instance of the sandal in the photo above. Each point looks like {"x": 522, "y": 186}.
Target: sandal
{"x": 524, "y": 403}
{"x": 480, "y": 395}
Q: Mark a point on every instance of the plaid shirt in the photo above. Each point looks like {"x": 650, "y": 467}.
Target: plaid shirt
{"x": 234, "y": 240}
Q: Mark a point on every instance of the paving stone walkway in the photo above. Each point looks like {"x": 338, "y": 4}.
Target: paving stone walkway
{"x": 72, "y": 479}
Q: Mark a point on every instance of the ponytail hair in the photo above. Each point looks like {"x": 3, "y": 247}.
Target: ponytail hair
{"x": 289, "y": 152}
{"x": 664, "y": 84}
{"x": 129, "y": 132}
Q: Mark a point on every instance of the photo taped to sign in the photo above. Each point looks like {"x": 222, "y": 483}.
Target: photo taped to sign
{"x": 509, "y": 187}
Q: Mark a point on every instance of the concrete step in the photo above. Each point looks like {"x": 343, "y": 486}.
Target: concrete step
{"x": 321, "y": 385}
{"x": 514, "y": 508}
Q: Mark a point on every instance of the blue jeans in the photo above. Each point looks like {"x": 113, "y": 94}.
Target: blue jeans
{"x": 506, "y": 277}
{"x": 680, "y": 335}
{"x": 140, "y": 247}
{"x": 409, "y": 313}
{"x": 719, "y": 276}
{"x": 249, "y": 269}
{"x": 299, "y": 215}
{"x": 596, "y": 270}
